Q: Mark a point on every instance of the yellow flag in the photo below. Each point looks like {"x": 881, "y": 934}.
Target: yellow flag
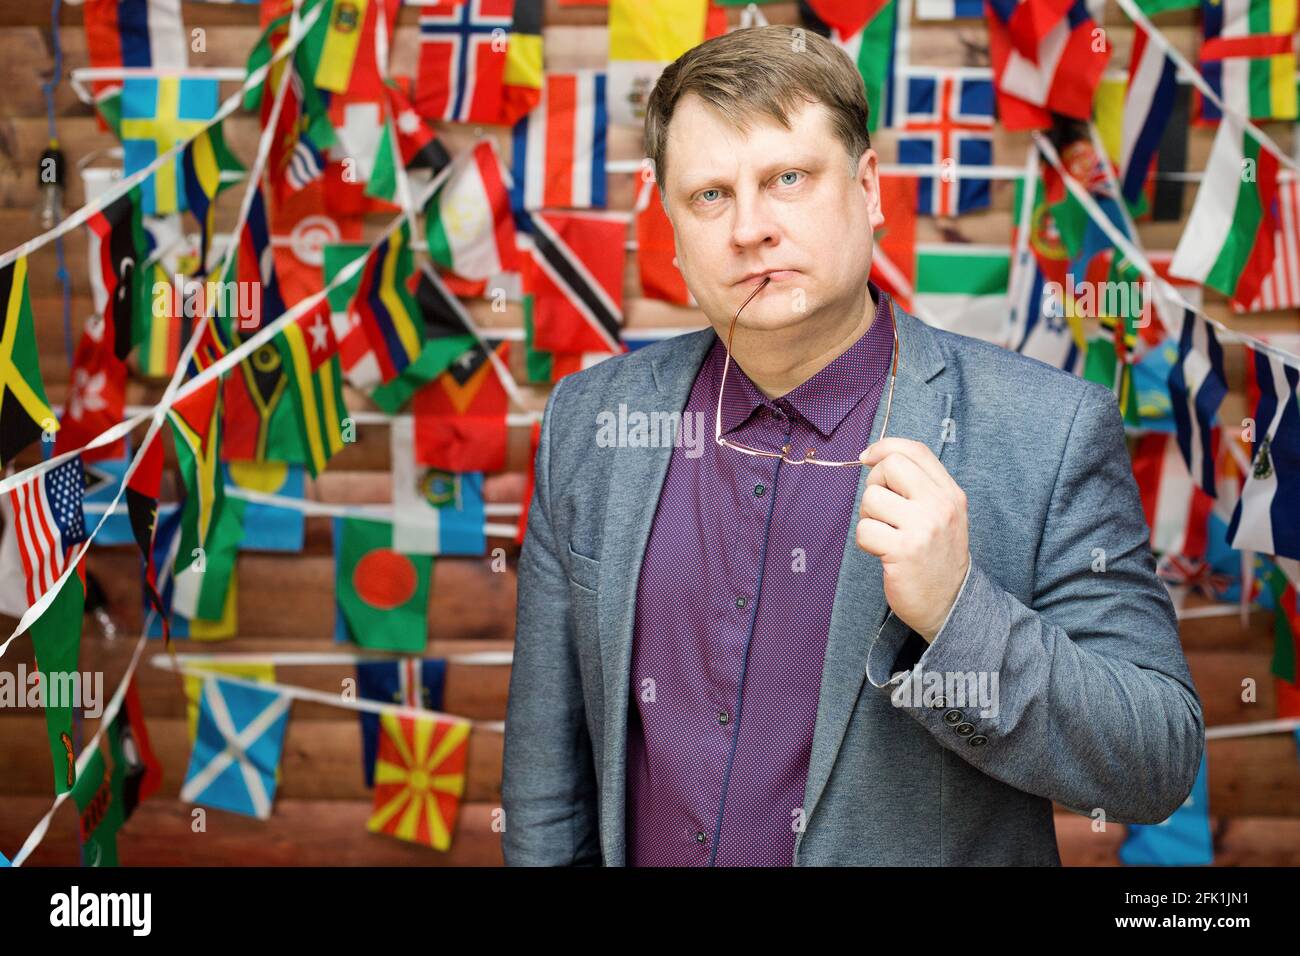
{"x": 347, "y": 18}
{"x": 643, "y": 39}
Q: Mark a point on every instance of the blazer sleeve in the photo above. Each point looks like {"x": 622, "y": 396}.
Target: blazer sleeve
{"x": 1095, "y": 707}
{"x": 548, "y": 779}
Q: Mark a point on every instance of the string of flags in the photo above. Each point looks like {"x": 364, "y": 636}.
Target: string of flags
{"x": 255, "y": 385}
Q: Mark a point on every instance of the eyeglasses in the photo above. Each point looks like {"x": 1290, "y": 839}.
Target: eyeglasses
{"x": 809, "y": 457}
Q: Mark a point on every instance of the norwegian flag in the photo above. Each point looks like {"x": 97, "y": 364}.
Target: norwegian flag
{"x": 949, "y": 120}
{"x": 1280, "y": 288}
{"x": 558, "y": 152}
{"x": 462, "y": 60}
{"x": 49, "y": 519}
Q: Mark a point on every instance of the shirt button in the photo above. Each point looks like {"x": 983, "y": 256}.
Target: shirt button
{"x": 758, "y": 490}
{"x": 723, "y": 717}
{"x": 699, "y": 836}
{"x": 741, "y": 602}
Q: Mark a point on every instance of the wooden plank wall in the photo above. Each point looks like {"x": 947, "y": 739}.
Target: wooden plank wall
{"x": 285, "y": 603}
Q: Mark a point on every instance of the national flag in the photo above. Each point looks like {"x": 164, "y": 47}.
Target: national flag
{"x": 1198, "y": 384}
{"x": 140, "y": 34}
{"x": 468, "y": 222}
{"x": 949, "y": 122}
{"x": 1280, "y": 287}
{"x": 157, "y": 113}
{"x": 963, "y": 288}
{"x": 1228, "y": 242}
{"x": 359, "y": 364}
{"x": 194, "y": 678}
{"x": 205, "y": 596}
{"x": 410, "y": 682}
{"x": 99, "y": 816}
{"x": 417, "y": 146}
{"x": 196, "y": 427}
{"x": 96, "y": 395}
{"x": 142, "y": 508}
{"x": 419, "y": 778}
{"x": 382, "y": 593}
{"x": 56, "y": 643}
{"x": 522, "y": 78}
{"x": 1286, "y": 627}
{"x": 1152, "y": 89}
{"x": 559, "y": 148}
{"x": 253, "y": 268}
{"x": 1183, "y": 839}
{"x": 301, "y": 228}
{"x": 237, "y": 748}
{"x": 867, "y": 32}
{"x": 949, "y": 9}
{"x": 117, "y": 243}
{"x": 343, "y": 37}
{"x": 303, "y": 137}
{"x": 893, "y": 264}
{"x": 575, "y": 273}
{"x": 434, "y": 511}
{"x": 268, "y": 527}
{"x": 309, "y": 352}
{"x": 1267, "y": 518}
{"x": 448, "y": 332}
{"x": 460, "y": 417}
{"x": 1174, "y": 507}
{"x": 463, "y": 65}
{"x": 137, "y": 774}
{"x": 1046, "y": 57}
{"x": 25, "y": 412}
{"x": 1040, "y": 326}
{"x": 208, "y": 167}
{"x": 656, "y": 250}
{"x": 260, "y": 424}
{"x": 389, "y": 316}
{"x": 1247, "y": 57}
{"x": 643, "y": 39}
{"x": 48, "y": 513}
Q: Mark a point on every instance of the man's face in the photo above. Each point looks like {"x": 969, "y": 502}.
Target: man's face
{"x": 782, "y": 201}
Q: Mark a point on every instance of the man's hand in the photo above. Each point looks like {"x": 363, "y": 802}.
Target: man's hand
{"x": 913, "y": 517}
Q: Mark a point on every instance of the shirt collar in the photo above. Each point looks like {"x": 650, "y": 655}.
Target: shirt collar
{"x": 826, "y": 399}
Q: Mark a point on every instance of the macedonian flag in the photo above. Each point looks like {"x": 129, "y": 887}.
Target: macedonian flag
{"x": 419, "y": 778}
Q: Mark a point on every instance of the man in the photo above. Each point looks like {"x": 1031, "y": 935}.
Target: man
{"x": 725, "y": 651}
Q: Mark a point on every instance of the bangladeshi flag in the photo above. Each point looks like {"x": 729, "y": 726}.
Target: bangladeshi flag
{"x": 419, "y": 778}
{"x": 382, "y": 594}
{"x": 460, "y": 417}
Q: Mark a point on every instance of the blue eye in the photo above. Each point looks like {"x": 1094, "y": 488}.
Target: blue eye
{"x": 705, "y": 193}
{"x": 789, "y": 173}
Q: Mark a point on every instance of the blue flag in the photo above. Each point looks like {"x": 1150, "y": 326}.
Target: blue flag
{"x": 411, "y": 682}
{"x": 1181, "y": 840}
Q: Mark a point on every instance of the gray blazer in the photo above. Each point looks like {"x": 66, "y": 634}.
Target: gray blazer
{"x": 1095, "y": 705}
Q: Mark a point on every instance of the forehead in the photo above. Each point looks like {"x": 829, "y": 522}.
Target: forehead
{"x": 701, "y": 140}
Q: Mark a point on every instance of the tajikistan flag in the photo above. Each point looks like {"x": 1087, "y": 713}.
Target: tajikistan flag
{"x": 468, "y": 221}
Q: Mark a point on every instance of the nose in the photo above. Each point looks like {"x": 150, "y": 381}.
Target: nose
{"x": 754, "y": 225}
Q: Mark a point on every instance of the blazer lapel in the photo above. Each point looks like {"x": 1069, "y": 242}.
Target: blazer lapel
{"x": 636, "y": 478}
{"x": 918, "y": 412}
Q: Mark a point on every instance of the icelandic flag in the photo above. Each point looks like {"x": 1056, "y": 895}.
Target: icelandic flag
{"x": 1182, "y": 840}
{"x": 1267, "y": 517}
{"x": 949, "y": 121}
{"x": 1197, "y": 386}
{"x": 237, "y": 748}
{"x": 411, "y": 682}
{"x": 558, "y": 149}
{"x": 1152, "y": 89}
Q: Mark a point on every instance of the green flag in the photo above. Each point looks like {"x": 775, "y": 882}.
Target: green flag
{"x": 56, "y": 641}
{"x": 383, "y": 595}
{"x": 101, "y": 814}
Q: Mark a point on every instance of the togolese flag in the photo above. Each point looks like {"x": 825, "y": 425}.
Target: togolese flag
{"x": 310, "y": 353}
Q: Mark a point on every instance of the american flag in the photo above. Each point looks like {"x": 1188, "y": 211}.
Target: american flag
{"x": 49, "y": 519}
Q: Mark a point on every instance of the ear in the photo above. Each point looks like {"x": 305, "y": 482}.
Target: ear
{"x": 868, "y": 179}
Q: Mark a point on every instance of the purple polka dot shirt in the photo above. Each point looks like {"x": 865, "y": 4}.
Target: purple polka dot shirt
{"x": 733, "y": 611}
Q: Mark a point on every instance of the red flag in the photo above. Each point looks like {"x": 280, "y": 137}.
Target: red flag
{"x": 656, "y": 251}
{"x": 575, "y": 273}
{"x": 96, "y": 396}
{"x": 460, "y": 417}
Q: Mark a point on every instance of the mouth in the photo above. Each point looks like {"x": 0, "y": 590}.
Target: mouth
{"x": 776, "y": 275}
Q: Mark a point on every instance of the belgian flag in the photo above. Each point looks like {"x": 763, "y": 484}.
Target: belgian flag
{"x": 24, "y": 410}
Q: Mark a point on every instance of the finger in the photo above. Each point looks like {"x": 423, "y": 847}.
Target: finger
{"x": 876, "y": 537}
{"x": 901, "y": 474}
{"x": 918, "y": 451}
{"x": 885, "y": 504}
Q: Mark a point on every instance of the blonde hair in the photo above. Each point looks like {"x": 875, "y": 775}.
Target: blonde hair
{"x": 761, "y": 71}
